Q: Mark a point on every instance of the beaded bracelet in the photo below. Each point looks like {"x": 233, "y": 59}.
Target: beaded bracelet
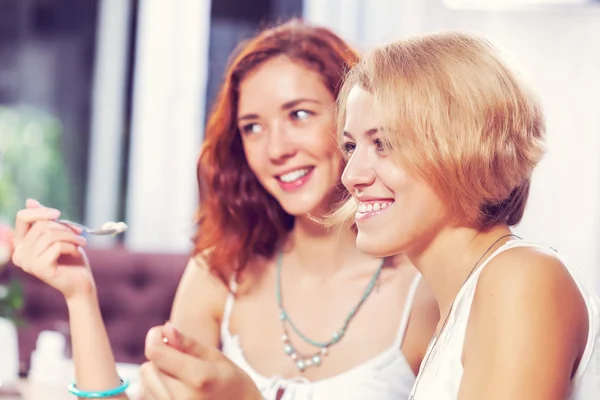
{"x": 102, "y": 394}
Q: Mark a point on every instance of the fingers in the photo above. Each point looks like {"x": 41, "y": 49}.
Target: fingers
{"x": 48, "y": 261}
{"x": 177, "y": 340}
{"x": 28, "y": 216}
{"x": 154, "y": 338}
{"x": 43, "y": 234}
{"x": 31, "y": 203}
{"x": 192, "y": 371}
{"x": 38, "y": 251}
{"x": 158, "y": 386}
{"x": 152, "y": 385}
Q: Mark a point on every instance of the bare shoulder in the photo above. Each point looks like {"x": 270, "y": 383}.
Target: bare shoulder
{"x": 526, "y": 293}
{"x": 527, "y": 328}
{"x": 199, "y": 302}
{"x": 533, "y": 278}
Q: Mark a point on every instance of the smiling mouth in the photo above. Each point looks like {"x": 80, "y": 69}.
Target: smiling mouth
{"x": 294, "y": 175}
{"x": 368, "y": 209}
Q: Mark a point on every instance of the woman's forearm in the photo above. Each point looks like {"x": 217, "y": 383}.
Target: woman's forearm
{"x": 95, "y": 367}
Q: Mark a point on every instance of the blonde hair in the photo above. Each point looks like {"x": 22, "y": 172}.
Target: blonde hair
{"x": 459, "y": 117}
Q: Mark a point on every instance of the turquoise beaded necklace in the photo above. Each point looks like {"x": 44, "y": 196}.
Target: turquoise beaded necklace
{"x": 304, "y": 361}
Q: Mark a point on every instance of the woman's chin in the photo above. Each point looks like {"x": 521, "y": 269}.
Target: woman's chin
{"x": 373, "y": 247}
{"x": 304, "y": 207}
{"x": 298, "y": 209}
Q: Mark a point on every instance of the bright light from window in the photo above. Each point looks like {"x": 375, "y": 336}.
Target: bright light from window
{"x": 511, "y": 3}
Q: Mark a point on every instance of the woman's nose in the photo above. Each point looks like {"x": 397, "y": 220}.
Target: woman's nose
{"x": 280, "y": 146}
{"x": 358, "y": 172}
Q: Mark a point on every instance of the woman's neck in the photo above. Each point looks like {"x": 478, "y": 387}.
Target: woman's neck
{"x": 450, "y": 257}
{"x": 323, "y": 251}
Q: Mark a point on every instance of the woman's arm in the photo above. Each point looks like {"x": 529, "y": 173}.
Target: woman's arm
{"x": 52, "y": 253}
{"x": 527, "y": 330}
{"x": 197, "y": 311}
{"x": 95, "y": 368}
{"x": 199, "y": 303}
{"x": 190, "y": 365}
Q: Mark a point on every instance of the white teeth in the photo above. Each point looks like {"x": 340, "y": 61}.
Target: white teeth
{"x": 294, "y": 175}
{"x": 372, "y": 206}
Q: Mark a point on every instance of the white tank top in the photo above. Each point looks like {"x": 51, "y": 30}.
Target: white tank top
{"x": 387, "y": 376}
{"x": 442, "y": 375}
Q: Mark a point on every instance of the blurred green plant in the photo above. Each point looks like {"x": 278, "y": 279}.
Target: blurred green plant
{"x": 31, "y": 162}
{"x": 31, "y": 165}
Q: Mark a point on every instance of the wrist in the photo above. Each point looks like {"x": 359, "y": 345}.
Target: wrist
{"x": 84, "y": 292}
{"x": 82, "y": 300}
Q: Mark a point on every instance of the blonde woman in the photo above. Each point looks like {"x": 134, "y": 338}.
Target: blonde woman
{"x": 442, "y": 138}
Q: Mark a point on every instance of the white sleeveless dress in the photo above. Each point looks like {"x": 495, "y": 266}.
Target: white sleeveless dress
{"x": 441, "y": 376}
{"x": 387, "y": 376}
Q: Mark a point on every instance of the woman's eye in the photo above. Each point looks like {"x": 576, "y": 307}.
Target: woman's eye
{"x": 348, "y": 148}
{"x": 250, "y": 129}
{"x": 299, "y": 115}
{"x": 381, "y": 147}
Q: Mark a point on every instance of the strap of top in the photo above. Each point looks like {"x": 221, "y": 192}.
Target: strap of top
{"x": 410, "y": 297}
{"x": 229, "y": 303}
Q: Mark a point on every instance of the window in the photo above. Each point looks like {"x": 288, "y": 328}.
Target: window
{"x": 513, "y": 4}
{"x": 47, "y": 53}
{"x": 232, "y": 22}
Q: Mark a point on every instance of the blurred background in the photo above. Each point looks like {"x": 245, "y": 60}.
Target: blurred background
{"x": 103, "y": 102}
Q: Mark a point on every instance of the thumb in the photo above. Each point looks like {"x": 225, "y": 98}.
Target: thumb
{"x": 187, "y": 345}
{"x": 31, "y": 203}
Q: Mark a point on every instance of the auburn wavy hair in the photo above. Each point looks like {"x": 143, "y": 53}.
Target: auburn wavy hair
{"x": 237, "y": 218}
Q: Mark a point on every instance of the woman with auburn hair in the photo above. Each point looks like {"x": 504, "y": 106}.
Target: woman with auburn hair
{"x": 296, "y": 309}
{"x": 441, "y": 129}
